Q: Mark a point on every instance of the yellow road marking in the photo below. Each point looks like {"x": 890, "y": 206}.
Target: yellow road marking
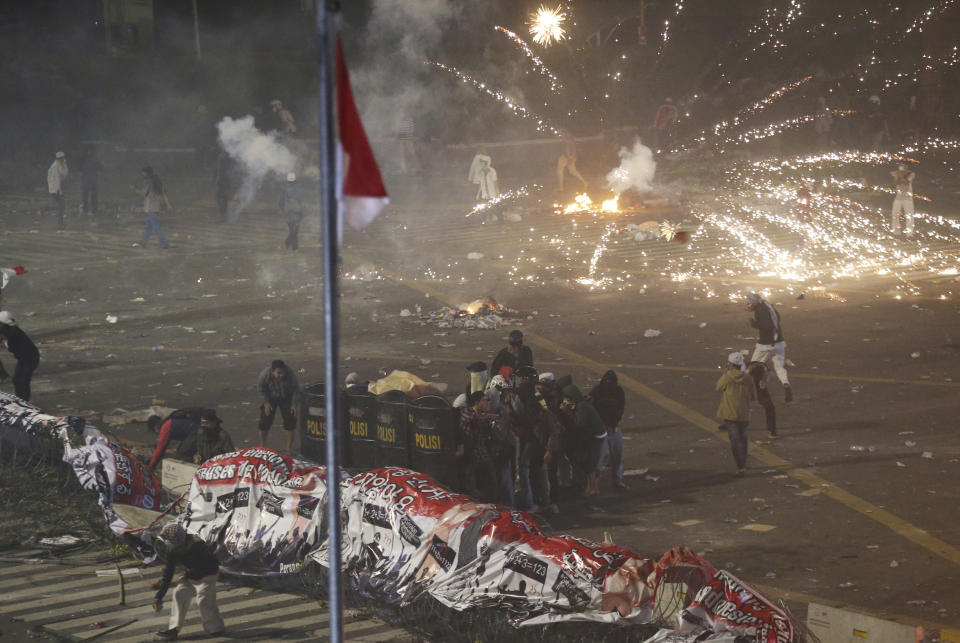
{"x": 767, "y": 457}
{"x": 804, "y": 598}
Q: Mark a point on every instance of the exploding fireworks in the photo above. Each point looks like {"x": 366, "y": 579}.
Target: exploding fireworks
{"x": 542, "y": 124}
{"x": 802, "y": 222}
{"x": 542, "y": 69}
{"x": 546, "y": 26}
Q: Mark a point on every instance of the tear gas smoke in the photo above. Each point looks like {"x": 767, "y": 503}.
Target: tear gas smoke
{"x": 257, "y": 155}
{"x": 636, "y": 170}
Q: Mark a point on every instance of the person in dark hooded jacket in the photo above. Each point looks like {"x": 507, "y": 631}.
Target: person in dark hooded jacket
{"x": 609, "y": 400}
{"x": 514, "y": 355}
{"x": 589, "y": 433}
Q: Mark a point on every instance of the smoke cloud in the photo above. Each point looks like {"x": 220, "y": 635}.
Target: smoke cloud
{"x": 636, "y": 170}
{"x": 257, "y": 155}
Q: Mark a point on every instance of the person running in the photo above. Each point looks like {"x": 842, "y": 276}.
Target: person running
{"x": 770, "y": 345}
{"x": 567, "y": 161}
{"x": 154, "y": 200}
{"x": 25, "y": 352}
{"x": 761, "y": 378}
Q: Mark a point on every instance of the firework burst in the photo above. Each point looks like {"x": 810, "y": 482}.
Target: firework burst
{"x": 546, "y": 26}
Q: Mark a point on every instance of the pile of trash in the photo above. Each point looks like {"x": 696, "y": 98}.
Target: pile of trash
{"x": 481, "y": 314}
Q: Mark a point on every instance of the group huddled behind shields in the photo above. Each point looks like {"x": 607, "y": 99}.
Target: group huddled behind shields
{"x": 525, "y": 435}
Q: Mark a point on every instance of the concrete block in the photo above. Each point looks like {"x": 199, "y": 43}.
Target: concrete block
{"x": 836, "y": 625}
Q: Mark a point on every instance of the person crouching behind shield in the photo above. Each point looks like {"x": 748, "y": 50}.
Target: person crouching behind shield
{"x": 200, "y": 580}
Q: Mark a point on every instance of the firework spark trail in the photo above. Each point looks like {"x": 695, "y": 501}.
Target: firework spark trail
{"x": 542, "y": 124}
{"x": 760, "y": 133}
{"x": 601, "y": 247}
{"x": 509, "y": 195}
{"x": 774, "y": 129}
{"x": 542, "y": 69}
{"x": 929, "y": 64}
{"x": 677, "y": 10}
{"x": 773, "y": 26}
{"x": 753, "y": 249}
{"x": 752, "y": 110}
{"x": 838, "y": 158}
{"x": 937, "y": 9}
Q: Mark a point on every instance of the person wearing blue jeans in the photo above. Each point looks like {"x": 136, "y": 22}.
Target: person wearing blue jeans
{"x": 609, "y": 400}
{"x": 611, "y": 454}
{"x": 154, "y": 199}
{"x": 738, "y": 442}
{"x": 737, "y": 392}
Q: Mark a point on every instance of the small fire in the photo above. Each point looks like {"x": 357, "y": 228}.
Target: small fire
{"x": 583, "y": 203}
{"x": 484, "y": 305}
{"x": 611, "y": 205}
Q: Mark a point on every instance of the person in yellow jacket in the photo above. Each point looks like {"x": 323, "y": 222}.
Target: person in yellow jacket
{"x": 737, "y": 392}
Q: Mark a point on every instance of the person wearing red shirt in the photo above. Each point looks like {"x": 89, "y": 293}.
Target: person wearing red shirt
{"x": 174, "y": 427}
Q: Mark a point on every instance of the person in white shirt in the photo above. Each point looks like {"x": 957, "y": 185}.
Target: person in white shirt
{"x": 903, "y": 201}
{"x": 56, "y": 177}
{"x": 484, "y": 176}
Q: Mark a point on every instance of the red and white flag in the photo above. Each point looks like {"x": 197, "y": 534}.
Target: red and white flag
{"x": 7, "y": 273}
{"x": 364, "y": 195}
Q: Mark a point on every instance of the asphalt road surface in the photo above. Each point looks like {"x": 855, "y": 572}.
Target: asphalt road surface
{"x": 874, "y": 528}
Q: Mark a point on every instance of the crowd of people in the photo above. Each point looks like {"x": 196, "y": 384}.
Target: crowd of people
{"x": 524, "y": 435}
{"x": 227, "y": 179}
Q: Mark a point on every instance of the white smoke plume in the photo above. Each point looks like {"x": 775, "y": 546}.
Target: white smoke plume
{"x": 636, "y": 170}
{"x": 256, "y": 154}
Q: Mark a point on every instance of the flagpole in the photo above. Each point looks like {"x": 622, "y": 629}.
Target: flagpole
{"x": 327, "y": 11}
